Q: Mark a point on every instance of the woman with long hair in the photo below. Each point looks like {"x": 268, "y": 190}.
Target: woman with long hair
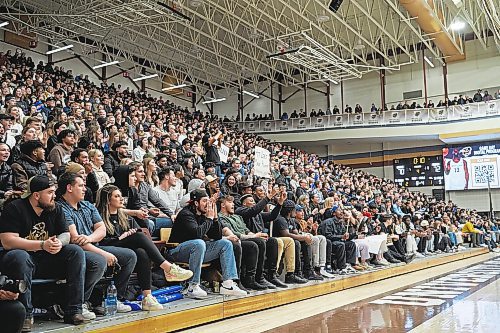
{"x": 123, "y": 231}
{"x": 150, "y": 169}
{"x": 96, "y": 158}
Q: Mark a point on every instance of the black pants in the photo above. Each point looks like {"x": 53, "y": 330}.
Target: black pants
{"x": 394, "y": 253}
{"x": 422, "y": 245}
{"x": 305, "y": 249}
{"x": 271, "y": 255}
{"x": 253, "y": 255}
{"x": 12, "y": 314}
{"x": 399, "y": 245}
{"x": 146, "y": 253}
{"x": 343, "y": 252}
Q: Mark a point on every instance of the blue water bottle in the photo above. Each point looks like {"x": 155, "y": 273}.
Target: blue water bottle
{"x": 111, "y": 300}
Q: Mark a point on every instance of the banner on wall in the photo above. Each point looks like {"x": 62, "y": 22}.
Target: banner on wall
{"x": 223, "y": 153}
{"x": 471, "y": 167}
{"x": 262, "y": 162}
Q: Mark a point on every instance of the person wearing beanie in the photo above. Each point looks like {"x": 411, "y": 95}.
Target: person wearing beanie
{"x": 30, "y": 163}
{"x": 286, "y": 226}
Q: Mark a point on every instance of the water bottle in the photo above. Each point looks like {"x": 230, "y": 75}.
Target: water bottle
{"x": 111, "y": 300}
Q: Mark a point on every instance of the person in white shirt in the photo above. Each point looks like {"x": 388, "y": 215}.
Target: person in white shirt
{"x": 17, "y": 127}
{"x": 167, "y": 190}
{"x": 140, "y": 150}
{"x": 5, "y": 136}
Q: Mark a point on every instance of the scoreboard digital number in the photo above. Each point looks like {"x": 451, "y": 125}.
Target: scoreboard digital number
{"x": 419, "y": 171}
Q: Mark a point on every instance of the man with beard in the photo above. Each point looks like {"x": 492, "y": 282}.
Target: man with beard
{"x": 112, "y": 159}
{"x": 35, "y": 237}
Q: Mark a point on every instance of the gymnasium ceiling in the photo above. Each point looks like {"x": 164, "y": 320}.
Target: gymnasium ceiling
{"x": 216, "y": 44}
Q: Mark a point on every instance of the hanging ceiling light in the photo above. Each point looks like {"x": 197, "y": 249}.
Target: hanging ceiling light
{"x": 144, "y": 77}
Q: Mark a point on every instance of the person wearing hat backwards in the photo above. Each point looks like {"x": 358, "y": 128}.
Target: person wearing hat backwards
{"x": 35, "y": 236}
{"x": 199, "y": 233}
{"x": 30, "y": 163}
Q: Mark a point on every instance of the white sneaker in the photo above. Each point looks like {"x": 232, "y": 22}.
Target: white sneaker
{"x": 384, "y": 262}
{"x": 419, "y": 255}
{"x": 178, "y": 274}
{"x": 325, "y": 273}
{"x": 234, "y": 290}
{"x": 461, "y": 248}
{"x": 122, "y": 308}
{"x": 150, "y": 303}
{"x": 86, "y": 313}
{"x": 195, "y": 291}
{"x": 483, "y": 245}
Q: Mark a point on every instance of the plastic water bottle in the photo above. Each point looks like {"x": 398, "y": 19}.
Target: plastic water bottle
{"x": 111, "y": 300}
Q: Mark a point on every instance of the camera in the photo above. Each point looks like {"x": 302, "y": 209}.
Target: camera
{"x": 14, "y": 286}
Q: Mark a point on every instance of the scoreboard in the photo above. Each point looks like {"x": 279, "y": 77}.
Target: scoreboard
{"x": 419, "y": 171}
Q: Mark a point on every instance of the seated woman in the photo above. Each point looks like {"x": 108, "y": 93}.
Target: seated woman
{"x": 123, "y": 231}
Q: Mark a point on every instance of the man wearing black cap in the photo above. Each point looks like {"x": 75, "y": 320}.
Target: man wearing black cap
{"x": 257, "y": 221}
{"x": 113, "y": 158}
{"x": 35, "y": 235}
{"x": 30, "y": 163}
{"x": 7, "y": 120}
{"x": 199, "y": 233}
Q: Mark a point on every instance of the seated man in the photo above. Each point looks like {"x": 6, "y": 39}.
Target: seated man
{"x": 199, "y": 233}
{"x": 167, "y": 190}
{"x": 253, "y": 246}
{"x": 87, "y": 229}
{"x": 286, "y": 226}
{"x": 35, "y": 235}
{"x": 30, "y": 163}
{"x": 343, "y": 249}
{"x": 258, "y": 221}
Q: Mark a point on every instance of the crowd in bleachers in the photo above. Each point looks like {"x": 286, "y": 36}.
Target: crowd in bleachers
{"x": 91, "y": 174}
{"x": 479, "y": 96}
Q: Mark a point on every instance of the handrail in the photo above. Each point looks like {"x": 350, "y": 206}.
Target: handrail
{"x": 385, "y": 118}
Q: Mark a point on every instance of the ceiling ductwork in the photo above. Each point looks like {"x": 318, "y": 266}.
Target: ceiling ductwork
{"x": 431, "y": 22}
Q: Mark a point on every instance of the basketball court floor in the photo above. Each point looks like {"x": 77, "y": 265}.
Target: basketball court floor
{"x": 461, "y": 296}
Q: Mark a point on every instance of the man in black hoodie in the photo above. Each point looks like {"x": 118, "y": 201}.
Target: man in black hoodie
{"x": 113, "y": 158}
{"x": 199, "y": 233}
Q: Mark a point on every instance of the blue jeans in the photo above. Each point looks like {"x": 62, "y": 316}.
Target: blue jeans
{"x": 161, "y": 222}
{"x": 197, "y": 252}
{"x": 69, "y": 263}
{"x": 126, "y": 259}
{"x": 453, "y": 238}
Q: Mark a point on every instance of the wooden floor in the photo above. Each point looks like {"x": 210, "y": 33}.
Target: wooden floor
{"x": 188, "y": 313}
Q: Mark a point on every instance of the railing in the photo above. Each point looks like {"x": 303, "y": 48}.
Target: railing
{"x": 393, "y": 117}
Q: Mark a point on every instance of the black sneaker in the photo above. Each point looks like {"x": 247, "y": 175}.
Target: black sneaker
{"x": 312, "y": 276}
{"x": 277, "y": 282}
{"x": 266, "y": 283}
{"x": 294, "y": 279}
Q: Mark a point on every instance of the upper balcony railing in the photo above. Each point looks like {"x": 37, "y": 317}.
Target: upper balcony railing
{"x": 385, "y": 118}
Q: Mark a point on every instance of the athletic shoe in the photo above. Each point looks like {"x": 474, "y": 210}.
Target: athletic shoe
{"x": 419, "y": 255}
{"x": 178, "y": 274}
{"x": 483, "y": 245}
{"x": 87, "y": 314}
{"x": 150, "y": 303}
{"x": 343, "y": 271}
{"x": 377, "y": 263}
{"x": 292, "y": 279}
{"x": 195, "y": 291}
{"x": 439, "y": 252}
{"x": 233, "y": 290}
{"x": 366, "y": 266}
{"x": 122, "y": 308}
{"x": 461, "y": 248}
{"x": 324, "y": 273}
{"x": 384, "y": 262}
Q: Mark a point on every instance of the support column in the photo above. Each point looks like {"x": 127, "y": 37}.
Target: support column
{"x": 272, "y": 98}
{"x": 280, "y": 99}
{"x": 143, "y": 82}
{"x": 193, "y": 97}
{"x": 49, "y": 57}
{"x": 445, "y": 79}
{"x": 424, "y": 69}
{"x": 103, "y": 70}
{"x": 342, "y": 96}
{"x": 328, "y": 93}
{"x": 382, "y": 84}
{"x": 305, "y": 98}
{"x": 240, "y": 102}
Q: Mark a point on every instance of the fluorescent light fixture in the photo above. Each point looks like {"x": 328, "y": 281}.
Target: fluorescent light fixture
{"x": 333, "y": 81}
{"x": 175, "y": 87}
{"x": 251, "y": 94}
{"x": 427, "y": 60}
{"x": 3, "y": 24}
{"x": 59, "y": 49}
{"x": 144, "y": 77}
{"x": 106, "y": 64}
{"x": 214, "y": 100}
{"x": 457, "y": 25}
